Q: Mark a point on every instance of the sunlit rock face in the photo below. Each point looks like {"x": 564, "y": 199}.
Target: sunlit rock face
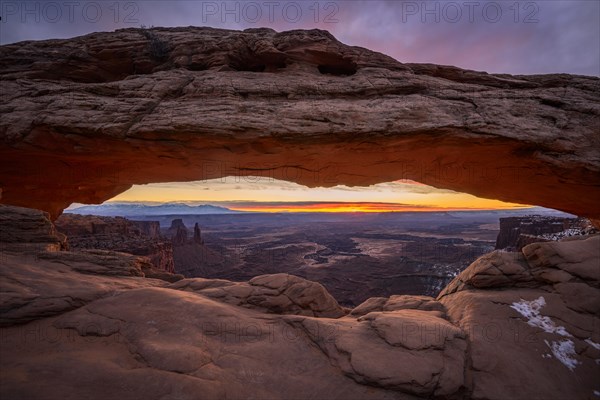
{"x": 83, "y": 119}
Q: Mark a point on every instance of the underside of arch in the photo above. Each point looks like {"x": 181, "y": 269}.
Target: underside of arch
{"x": 83, "y": 119}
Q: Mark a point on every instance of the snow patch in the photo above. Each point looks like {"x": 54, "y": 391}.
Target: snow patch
{"x": 564, "y": 351}
{"x": 531, "y": 311}
{"x": 566, "y": 233}
{"x": 592, "y": 343}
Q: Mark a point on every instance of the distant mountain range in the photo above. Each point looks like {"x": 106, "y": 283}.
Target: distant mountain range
{"x": 165, "y": 209}
{"x": 138, "y": 210}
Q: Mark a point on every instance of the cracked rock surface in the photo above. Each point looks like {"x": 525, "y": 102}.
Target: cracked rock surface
{"x": 277, "y": 293}
{"x": 81, "y": 325}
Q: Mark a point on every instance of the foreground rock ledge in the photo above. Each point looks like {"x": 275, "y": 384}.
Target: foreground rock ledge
{"x": 85, "y": 118}
{"x": 90, "y": 325}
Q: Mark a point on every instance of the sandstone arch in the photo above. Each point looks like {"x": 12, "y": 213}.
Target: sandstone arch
{"x": 83, "y": 119}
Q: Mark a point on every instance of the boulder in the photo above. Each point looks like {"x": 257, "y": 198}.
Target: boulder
{"x": 493, "y": 270}
{"x": 398, "y": 302}
{"x": 276, "y": 293}
{"x": 411, "y": 351}
{"x": 575, "y": 257}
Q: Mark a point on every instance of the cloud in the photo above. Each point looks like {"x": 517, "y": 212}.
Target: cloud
{"x": 260, "y": 184}
{"x": 519, "y": 37}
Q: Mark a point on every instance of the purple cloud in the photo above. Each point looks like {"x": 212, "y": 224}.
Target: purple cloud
{"x": 523, "y": 37}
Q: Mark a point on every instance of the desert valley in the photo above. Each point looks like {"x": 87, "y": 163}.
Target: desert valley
{"x": 354, "y": 255}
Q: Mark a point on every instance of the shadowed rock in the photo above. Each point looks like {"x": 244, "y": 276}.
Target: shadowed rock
{"x": 197, "y": 234}
{"x": 398, "y": 302}
{"x": 87, "y": 318}
{"x": 278, "y": 293}
{"x": 178, "y": 232}
{"x": 517, "y": 232}
{"x": 140, "y": 238}
{"x": 28, "y": 230}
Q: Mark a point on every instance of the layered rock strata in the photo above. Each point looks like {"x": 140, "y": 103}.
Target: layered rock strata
{"x": 140, "y": 238}
{"x": 86, "y": 118}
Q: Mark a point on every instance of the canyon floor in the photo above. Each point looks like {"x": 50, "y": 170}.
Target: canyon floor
{"x": 90, "y": 324}
{"x": 355, "y": 256}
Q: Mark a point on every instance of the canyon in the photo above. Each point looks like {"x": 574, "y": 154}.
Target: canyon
{"x": 73, "y": 320}
{"x": 354, "y": 256}
{"x": 142, "y": 238}
{"x": 517, "y": 232}
{"x": 85, "y": 118}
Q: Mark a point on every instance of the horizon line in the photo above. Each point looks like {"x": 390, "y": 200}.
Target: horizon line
{"x": 309, "y": 206}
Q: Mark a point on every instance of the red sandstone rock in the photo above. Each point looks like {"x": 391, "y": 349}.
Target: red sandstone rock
{"x": 517, "y": 232}
{"x": 278, "y": 293}
{"x": 140, "y": 238}
{"x": 83, "y": 119}
{"x": 27, "y": 230}
{"x": 87, "y": 318}
{"x": 178, "y": 232}
{"x": 197, "y": 235}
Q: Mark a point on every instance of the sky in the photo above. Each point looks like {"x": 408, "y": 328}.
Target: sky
{"x": 271, "y": 195}
{"x": 516, "y": 37}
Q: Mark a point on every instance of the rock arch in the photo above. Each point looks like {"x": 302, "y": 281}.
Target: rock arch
{"x": 83, "y": 119}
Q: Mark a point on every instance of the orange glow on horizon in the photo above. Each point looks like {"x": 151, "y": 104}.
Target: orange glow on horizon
{"x": 348, "y": 208}
{"x": 271, "y": 195}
